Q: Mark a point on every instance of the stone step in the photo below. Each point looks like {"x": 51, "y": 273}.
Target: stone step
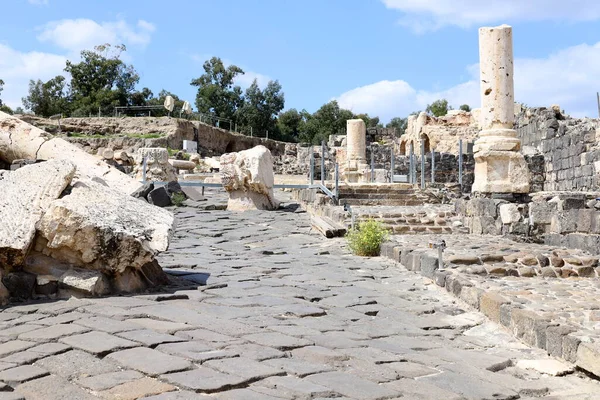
{"x": 381, "y": 202}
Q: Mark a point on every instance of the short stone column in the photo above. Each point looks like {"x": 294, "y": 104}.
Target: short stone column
{"x": 356, "y": 140}
{"x": 356, "y": 151}
{"x": 499, "y": 167}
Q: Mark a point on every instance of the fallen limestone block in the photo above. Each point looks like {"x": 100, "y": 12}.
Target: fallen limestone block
{"x": 157, "y": 165}
{"x": 182, "y": 164}
{"x": 99, "y": 228}
{"x": 20, "y": 140}
{"x": 248, "y": 178}
{"x": 26, "y": 195}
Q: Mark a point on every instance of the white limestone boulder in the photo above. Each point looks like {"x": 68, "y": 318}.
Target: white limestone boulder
{"x": 99, "y": 228}
{"x": 20, "y": 140}
{"x": 248, "y": 178}
{"x": 25, "y": 195}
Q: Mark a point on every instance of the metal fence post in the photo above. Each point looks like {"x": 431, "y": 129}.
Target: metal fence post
{"x": 250, "y": 131}
{"x": 337, "y": 181}
{"x": 432, "y": 166}
{"x": 392, "y": 166}
{"x": 312, "y": 166}
{"x": 460, "y": 163}
{"x": 411, "y": 163}
{"x": 422, "y": 163}
{"x": 322, "y": 162}
{"x": 372, "y": 165}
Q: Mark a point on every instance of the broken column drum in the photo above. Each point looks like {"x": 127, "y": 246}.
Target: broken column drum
{"x": 356, "y": 150}
{"x": 356, "y": 140}
{"x": 500, "y": 168}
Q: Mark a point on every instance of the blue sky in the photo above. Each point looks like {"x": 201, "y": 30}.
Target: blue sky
{"x": 383, "y": 57}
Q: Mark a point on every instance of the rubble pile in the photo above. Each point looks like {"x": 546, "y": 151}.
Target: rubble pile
{"x": 71, "y": 226}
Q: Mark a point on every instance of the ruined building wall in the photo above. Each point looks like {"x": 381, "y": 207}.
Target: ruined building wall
{"x": 569, "y": 147}
{"x": 441, "y": 134}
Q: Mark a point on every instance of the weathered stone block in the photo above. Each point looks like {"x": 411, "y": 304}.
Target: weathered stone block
{"x": 554, "y": 339}
{"x": 102, "y": 229}
{"x": 26, "y": 195}
{"x": 248, "y": 178}
{"x": 429, "y": 264}
{"x": 541, "y": 212}
{"x": 509, "y": 213}
{"x": 588, "y": 357}
{"x": 489, "y": 305}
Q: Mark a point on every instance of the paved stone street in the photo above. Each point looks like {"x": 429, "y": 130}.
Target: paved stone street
{"x": 262, "y": 307}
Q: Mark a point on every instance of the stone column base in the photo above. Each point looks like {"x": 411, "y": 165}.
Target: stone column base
{"x": 500, "y": 172}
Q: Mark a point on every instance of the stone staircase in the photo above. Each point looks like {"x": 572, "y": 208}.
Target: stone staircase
{"x": 383, "y": 195}
{"x": 414, "y": 220}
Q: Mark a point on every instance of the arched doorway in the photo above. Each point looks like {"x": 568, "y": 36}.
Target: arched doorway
{"x": 230, "y": 147}
{"x": 403, "y": 148}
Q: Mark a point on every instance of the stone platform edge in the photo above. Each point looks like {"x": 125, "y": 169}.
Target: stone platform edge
{"x": 559, "y": 340}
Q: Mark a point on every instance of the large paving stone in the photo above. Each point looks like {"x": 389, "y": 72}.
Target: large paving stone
{"x": 204, "y": 380}
{"x": 149, "y": 361}
{"x": 299, "y": 368}
{"x": 244, "y": 367}
{"x": 53, "y": 332}
{"x": 137, "y": 389}
{"x": 195, "y": 351}
{"x": 277, "y": 340}
{"x": 98, "y": 343}
{"x": 14, "y": 346}
{"x": 352, "y": 386}
{"x": 21, "y": 374}
{"x": 109, "y": 380}
{"x": 150, "y": 338}
{"x": 52, "y": 388}
{"x": 76, "y": 364}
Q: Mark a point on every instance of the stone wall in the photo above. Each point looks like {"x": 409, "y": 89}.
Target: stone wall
{"x": 567, "y": 219}
{"x": 441, "y": 134}
{"x": 568, "y": 145}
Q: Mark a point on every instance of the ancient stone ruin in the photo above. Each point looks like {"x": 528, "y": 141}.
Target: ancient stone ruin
{"x": 247, "y": 176}
{"x": 69, "y": 222}
{"x": 499, "y": 167}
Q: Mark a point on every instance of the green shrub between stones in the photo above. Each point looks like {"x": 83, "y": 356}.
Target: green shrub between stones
{"x": 177, "y": 199}
{"x": 366, "y": 239}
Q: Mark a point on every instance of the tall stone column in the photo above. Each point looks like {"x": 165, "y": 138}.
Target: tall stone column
{"x": 499, "y": 167}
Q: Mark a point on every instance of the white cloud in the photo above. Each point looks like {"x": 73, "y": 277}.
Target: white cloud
{"x": 38, "y": 2}
{"x": 17, "y": 68}
{"x": 78, "y": 34}
{"x": 430, "y": 15}
{"x": 569, "y": 77}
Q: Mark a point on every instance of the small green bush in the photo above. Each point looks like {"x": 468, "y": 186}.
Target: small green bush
{"x": 177, "y": 199}
{"x": 366, "y": 239}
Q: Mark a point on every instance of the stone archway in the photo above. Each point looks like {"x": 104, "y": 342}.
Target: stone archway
{"x": 403, "y": 148}
{"x": 230, "y": 147}
{"x": 427, "y": 144}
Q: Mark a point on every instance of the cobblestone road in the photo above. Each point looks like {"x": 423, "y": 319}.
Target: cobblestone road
{"x": 264, "y": 308}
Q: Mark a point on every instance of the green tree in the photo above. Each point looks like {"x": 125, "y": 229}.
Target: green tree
{"x": 399, "y": 124}
{"x": 260, "y": 109}
{"x": 47, "y": 98}
{"x": 160, "y": 100}
{"x": 289, "y": 124}
{"x": 465, "y": 107}
{"x": 101, "y": 81}
{"x": 4, "y": 107}
{"x": 1, "y": 89}
{"x": 328, "y": 120}
{"x": 438, "y": 108}
{"x": 217, "y": 94}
